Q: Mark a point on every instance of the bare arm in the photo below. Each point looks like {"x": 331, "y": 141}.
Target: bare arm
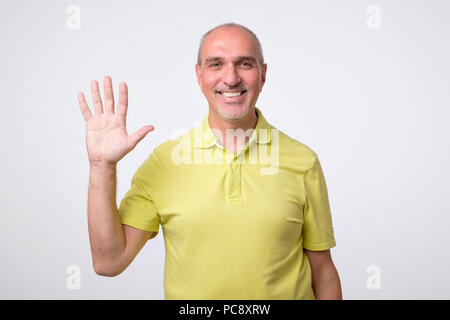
{"x": 113, "y": 245}
{"x": 325, "y": 279}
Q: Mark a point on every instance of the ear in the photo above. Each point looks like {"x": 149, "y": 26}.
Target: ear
{"x": 197, "y": 72}
{"x": 263, "y": 75}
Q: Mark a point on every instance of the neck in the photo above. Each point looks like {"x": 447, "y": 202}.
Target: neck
{"x": 232, "y": 134}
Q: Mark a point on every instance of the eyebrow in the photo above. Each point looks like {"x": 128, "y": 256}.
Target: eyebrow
{"x": 240, "y": 58}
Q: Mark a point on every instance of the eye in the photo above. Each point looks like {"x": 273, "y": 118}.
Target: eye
{"x": 214, "y": 65}
{"x": 246, "y": 64}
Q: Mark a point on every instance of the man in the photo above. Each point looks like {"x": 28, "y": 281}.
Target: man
{"x": 243, "y": 207}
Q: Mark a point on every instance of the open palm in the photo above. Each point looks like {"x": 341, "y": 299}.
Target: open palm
{"x": 107, "y": 139}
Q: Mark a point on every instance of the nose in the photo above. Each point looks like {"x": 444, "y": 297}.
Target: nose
{"x": 231, "y": 76}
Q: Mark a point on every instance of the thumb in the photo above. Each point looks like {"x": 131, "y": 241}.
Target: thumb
{"x": 139, "y": 135}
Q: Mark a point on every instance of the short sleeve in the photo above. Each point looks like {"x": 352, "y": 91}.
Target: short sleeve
{"x": 318, "y": 234}
{"x": 137, "y": 208}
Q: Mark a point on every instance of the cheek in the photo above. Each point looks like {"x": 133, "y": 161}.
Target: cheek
{"x": 209, "y": 81}
{"x": 252, "y": 80}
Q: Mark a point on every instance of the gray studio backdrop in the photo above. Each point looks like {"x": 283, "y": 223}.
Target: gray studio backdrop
{"x": 365, "y": 84}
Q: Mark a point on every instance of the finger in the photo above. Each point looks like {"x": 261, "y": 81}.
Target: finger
{"x": 139, "y": 135}
{"x": 84, "y": 107}
{"x": 122, "y": 107}
{"x": 96, "y": 98}
{"x": 109, "y": 95}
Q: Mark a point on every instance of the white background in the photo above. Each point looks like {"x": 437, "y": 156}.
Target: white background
{"x": 372, "y": 103}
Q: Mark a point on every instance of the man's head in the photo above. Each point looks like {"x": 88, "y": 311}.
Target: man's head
{"x": 230, "y": 70}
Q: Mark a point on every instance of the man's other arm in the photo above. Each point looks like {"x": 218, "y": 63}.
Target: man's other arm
{"x": 325, "y": 278}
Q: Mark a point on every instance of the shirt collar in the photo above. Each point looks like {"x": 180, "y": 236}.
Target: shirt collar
{"x": 204, "y": 137}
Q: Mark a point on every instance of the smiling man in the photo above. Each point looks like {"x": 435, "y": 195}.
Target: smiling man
{"x": 235, "y": 226}
{"x": 231, "y": 73}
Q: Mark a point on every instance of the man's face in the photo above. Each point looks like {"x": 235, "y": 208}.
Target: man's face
{"x": 230, "y": 75}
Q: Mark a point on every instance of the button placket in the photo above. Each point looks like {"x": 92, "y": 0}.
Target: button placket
{"x": 235, "y": 164}
{"x": 235, "y": 175}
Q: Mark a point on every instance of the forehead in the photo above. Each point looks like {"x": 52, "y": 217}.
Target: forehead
{"x": 228, "y": 42}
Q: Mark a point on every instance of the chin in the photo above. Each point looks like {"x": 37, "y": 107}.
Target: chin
{"x": 233, "y": 112}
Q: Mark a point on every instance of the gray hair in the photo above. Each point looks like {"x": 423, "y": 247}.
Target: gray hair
{"x": 236, "y": 25}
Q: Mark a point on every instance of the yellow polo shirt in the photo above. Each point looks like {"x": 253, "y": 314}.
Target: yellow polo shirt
{"x": 234, "y": 226}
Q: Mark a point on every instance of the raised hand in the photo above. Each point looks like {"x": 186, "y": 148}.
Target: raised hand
{"x": 107, "y": 140}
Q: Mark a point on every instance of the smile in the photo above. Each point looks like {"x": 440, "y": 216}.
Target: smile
{"x": 231, "y": 93}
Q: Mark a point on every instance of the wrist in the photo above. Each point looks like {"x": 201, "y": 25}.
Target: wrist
{"x": 102, "y": 163}
{"x": 102, "y": 166}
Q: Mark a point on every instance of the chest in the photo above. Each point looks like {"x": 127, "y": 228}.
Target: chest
{"x": 233, "y": 200}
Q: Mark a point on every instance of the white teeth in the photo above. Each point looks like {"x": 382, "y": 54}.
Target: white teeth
{"x": 231, "y": 94}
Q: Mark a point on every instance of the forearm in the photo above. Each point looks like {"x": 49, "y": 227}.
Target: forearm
{"x": 106, "y": 235}
{"x": 326, "y": 284}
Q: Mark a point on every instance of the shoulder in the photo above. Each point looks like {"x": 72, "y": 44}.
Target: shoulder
{"x": 165, "y": 152}
{"x": 296, "y": 151}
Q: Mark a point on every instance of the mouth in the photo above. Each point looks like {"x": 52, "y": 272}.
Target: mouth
{"x": 231, "y": 94}
{"x": 232, "y": 97}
